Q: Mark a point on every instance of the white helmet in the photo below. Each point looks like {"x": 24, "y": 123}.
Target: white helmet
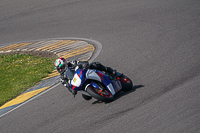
{"x": 60, "y": 64}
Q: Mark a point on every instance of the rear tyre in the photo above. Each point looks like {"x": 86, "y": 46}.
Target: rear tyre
{"x": 126, "y": 83}
{"x": 86, "y": 97}
{"x": 104, "y": 96}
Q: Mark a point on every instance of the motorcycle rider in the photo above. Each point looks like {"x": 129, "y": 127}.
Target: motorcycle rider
{"x": 62, "y": 65}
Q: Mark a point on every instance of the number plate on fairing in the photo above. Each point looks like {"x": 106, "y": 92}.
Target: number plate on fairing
{"x": 76, "y": 81}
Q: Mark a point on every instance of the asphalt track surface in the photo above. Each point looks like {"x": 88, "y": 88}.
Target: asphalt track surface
{"x": 154, "y": 42}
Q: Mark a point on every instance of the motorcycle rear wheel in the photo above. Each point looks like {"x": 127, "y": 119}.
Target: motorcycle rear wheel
{"x": 126, "y": 83}
{"x": 104, "y": 96}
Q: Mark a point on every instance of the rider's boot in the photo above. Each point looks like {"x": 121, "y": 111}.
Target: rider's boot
{"x": 111, "y": 71}
{"x": 99, "y": 66}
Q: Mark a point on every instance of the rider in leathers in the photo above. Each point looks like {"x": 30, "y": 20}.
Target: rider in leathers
{"x": 61, "y": 65}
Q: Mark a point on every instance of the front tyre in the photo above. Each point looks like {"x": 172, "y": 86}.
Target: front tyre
{"x": 104, "y": 95}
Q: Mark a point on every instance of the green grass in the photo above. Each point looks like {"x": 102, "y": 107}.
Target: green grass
{"x": 20, "y": 72}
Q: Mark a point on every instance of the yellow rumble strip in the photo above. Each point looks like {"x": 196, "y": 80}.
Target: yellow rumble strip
{"x": 23, "y": 97}
{"x": 13, "y": 46}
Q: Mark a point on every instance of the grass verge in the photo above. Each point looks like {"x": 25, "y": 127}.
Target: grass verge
{"x": 18, "y": 72}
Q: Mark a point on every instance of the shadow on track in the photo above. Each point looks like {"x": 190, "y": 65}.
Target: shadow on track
{"x": 121, "y": 94}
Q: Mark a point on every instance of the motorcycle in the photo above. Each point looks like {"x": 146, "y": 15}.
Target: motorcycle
{"x": 97, "y": 84}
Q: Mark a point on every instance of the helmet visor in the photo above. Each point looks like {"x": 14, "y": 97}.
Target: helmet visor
{"x": 60, "y": 69}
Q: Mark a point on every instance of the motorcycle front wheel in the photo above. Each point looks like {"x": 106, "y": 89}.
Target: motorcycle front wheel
{"x": 104, "y": 95}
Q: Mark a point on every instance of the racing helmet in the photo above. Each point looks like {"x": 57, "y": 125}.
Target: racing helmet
{"x": 60, "y": 64}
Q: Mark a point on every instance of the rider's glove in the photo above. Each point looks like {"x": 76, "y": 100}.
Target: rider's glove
{"x": 74, "y": 62}
{"x": 61, "y": 80}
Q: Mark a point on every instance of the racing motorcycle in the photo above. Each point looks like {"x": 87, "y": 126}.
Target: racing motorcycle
{"x": 97, "y": 84}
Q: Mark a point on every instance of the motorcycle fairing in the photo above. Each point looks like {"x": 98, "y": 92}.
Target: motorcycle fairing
{"x": 98, "y": 76}
{"x": 91, "y": 74}
{"x": 104, "y": 79}
{"x": 101, "y": 77}
{"x": 78, "y": 79}
{"x": 111, "y": 89}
